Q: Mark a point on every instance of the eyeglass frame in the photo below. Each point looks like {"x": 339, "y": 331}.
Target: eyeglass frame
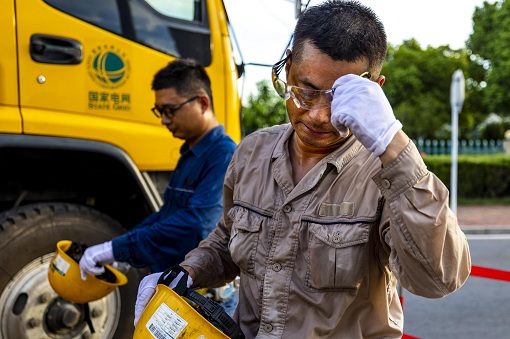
{"x": 169, "y": 110}
{"x": 275, "y": 72}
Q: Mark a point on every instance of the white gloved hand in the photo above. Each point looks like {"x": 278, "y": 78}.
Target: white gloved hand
{"x": 360, "y": 105}
{"x": 147, "y": 288}
{"x": 94, "y": 259}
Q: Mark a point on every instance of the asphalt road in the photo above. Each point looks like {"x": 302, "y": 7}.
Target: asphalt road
{"x": 479, "y": 309}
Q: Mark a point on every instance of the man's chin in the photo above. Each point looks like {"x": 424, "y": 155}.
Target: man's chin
{"x": 177, "y": 135}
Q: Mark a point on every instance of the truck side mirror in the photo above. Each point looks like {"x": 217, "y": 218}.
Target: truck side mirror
{"x": 240, "y": 70}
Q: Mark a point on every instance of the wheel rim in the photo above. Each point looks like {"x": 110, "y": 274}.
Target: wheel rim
{"x": 29, "y": 308}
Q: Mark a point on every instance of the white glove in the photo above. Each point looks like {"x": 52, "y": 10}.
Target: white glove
{"x": 94, "y": 259}
{"x": 360, "y": 105}
{"x": 147, "y": 288}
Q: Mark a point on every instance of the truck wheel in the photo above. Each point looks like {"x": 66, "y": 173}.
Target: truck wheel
{"x": 29, "y": 308}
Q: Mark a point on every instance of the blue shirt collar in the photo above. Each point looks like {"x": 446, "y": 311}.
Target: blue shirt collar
{"x": 207, "y": 141}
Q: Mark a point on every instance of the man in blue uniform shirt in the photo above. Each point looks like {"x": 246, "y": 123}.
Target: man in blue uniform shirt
{"x": 193, "y": 197}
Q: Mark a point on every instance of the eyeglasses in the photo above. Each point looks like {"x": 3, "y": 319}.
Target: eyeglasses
{"x": 303, "y": 97}
{"x": 169, "y": 110}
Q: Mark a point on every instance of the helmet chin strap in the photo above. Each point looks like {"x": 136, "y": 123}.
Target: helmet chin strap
{"x": 86, "y": 317}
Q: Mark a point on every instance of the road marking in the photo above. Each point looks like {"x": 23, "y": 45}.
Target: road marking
{"x": 488, "y": 236}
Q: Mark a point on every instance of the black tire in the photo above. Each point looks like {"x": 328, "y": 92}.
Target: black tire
{"x": 28, "y": 237}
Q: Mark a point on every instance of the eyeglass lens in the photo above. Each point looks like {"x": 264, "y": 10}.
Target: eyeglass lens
{"x": 168, "y": 110}
{"x": 303, "y": 97}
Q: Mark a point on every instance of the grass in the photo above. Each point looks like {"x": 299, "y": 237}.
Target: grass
{"x": 501, "y": 160}
{"x": 485, "y": 202}
{"x": 474, "y": 158}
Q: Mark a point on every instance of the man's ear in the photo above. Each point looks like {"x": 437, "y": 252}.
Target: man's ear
{"x": 204, "y": 102}
{"x": 380, "y": 80}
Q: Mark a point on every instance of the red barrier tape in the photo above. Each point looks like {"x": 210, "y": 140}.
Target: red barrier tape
{"x": 490, "y": 273}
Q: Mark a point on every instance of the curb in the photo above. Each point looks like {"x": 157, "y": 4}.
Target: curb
{"x": 499, "y": 229}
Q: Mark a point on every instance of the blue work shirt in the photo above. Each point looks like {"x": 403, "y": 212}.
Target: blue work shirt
{"x": 193, "y": 203}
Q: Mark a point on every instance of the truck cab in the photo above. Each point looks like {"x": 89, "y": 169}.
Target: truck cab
{"x": 82, "y": 157}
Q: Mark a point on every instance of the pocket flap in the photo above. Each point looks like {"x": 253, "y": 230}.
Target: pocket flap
{"x": 244, "y": 219}
{"x": 340, "y": 235}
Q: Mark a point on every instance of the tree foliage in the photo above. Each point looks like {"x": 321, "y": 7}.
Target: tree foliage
{"x": 418, "y": 87}
{"x": 263, "y": 109}
{"x": 490, "y": 46}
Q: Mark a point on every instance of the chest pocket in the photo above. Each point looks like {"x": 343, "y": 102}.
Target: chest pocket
{"x": 337, "y": 256}
{"x": 244, "y": 238}
{"x": 179, "y": 196}
{"x": 182, "y": 196}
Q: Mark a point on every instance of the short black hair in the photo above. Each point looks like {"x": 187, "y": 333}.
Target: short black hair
{"x": 186, "y": 76}
{"x": 343, "y": 30}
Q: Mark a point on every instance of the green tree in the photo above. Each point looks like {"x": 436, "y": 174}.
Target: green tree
{"x": 263, "y": 109}
{"x": 490, "y": 46}
{"x": 418, "y": 88}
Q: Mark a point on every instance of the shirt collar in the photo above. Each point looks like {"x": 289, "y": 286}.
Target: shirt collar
{"x": 345, "y": 153}
{"x": 282, "y": 144}
{"x": 205, "y": 143}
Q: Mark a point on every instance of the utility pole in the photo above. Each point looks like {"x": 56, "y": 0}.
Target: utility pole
{"x": 457, "y": 91}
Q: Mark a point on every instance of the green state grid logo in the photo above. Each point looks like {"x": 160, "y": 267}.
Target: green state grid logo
{"x": 108, "y": 67}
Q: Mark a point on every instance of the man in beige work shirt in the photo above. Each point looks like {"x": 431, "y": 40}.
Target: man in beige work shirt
{"x": 324, "y": 215}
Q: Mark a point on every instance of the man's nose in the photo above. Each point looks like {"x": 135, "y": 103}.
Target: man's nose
{"x": 320, "y": 115}
{"x": 165, "y": 120}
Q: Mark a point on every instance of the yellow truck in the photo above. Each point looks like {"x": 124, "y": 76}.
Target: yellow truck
{"x": 82, "y": 157}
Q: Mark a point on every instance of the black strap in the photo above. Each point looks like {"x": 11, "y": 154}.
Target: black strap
{"x": 86, "y": 313}
{"x": 170, "y": 274}
{"x": 215, "y": 314}
{"x": 208, "y": 308}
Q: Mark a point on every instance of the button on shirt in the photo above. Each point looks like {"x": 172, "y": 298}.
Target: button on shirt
{"x": 192, "y": 206}
{"x": 320, "y": 259}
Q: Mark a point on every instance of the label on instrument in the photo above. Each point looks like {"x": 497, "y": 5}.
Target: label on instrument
{"x": 165, "y": 323}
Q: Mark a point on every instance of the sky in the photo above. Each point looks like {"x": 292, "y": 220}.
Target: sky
{"x": 263, "y": 27}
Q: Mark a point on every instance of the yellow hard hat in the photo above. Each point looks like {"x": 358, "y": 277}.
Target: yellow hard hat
{"x": 65, "y": 279}
{"x": 170, "y": 314}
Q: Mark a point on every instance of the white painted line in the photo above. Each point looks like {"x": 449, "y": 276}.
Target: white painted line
{"x": 488, "y": 236}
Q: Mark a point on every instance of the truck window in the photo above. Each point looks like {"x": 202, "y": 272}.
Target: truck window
{"x": 183, "y": 9}
{"x": 166, "y": 26}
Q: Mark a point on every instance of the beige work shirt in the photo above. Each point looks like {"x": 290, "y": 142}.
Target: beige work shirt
{"x": 321, "y": 259}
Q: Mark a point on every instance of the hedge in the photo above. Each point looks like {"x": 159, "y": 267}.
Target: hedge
{"x": 478, "y": 176}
